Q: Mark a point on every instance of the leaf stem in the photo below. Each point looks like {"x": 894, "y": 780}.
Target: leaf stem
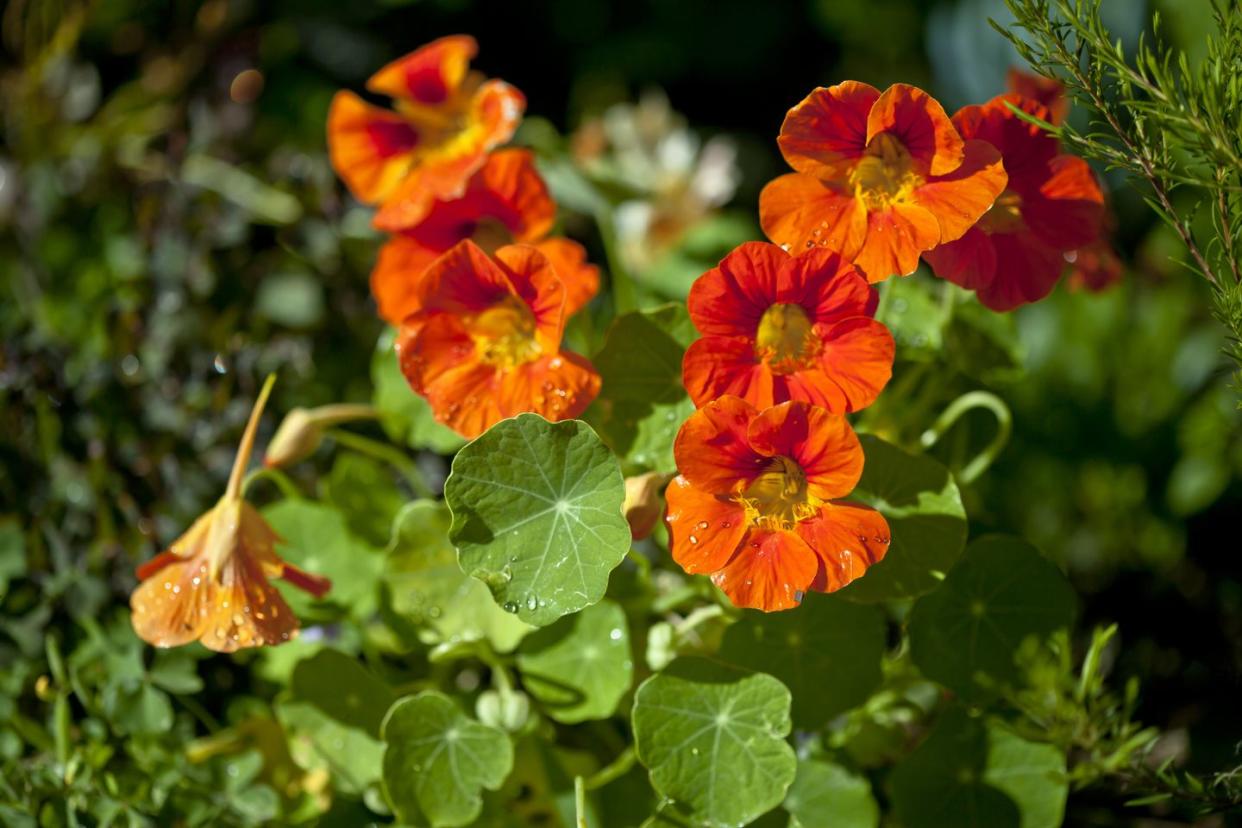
{"x": 386, "y": 454}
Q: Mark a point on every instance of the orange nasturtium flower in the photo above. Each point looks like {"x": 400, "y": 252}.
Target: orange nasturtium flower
{"x": 213, "y": 584}
{"x": 485, "y": 343}
{"x": 881, "y": 177}
{"x": 778, "y": 327}
{"x": 756, "y": 504}
{"x": 445, "y": 119}
{"x": 506, "y": 201}
{"x": 1053, "y": 205}
{"x": 1047, "y": 91}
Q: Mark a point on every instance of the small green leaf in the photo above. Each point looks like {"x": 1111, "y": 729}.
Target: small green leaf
{"x": 827, "y": 652}
{"x": 579, "y": 667}
{"x": 643, "y": 403}
{"x": 537, "y": 515}
{"x": 920, "y": 500}
{"x": 352, "y": 757}
{"x": 714, "y": 739}
{"x": 1001, "y": 594}
{"x": 438, "y": 760}
{"x": 342, "y": 689}
{"x": 317, "y": 539}
{"x": 825, "y": 795}
{"x": 405, "y": 416}
{"x": 428, "y": 586}
{"x": 972, "y": 774}
{"x": 366, "y": 493}
{"x": 12, "y": 553}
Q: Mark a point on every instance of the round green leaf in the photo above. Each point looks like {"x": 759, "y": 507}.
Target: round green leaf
{"x": 643, "y": 402}
{"x": 827, "y": 652}
{"x": 920, "y": 500}
{"x": 428, "y": 586}
{"x": 405, "y": 416}
{"x": 714, "y": 740}
{"x": 437, "y": 761}
{"x": 537, "y": 515}
{"x": 351, "y": 756}
{"x": 1001, "y": 594}
{"x": 366, "y": 493}
{"x": 342, "y": 689}
{"x": 825, "y": 795}
{"x": 972, "y": 774}
{"x": 579, "y": 667}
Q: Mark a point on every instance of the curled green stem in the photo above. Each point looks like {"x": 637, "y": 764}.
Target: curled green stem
{"x": 988, "y": 454}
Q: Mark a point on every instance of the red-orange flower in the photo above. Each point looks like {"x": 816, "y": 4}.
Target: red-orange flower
{"x": 1052, "y": 205}
{"x": 446, "y": 119}
{"x": 756, "y": 504}
{"x": 506, "y": 201}
{"x": 880, "y": 178}
{"x": 1047, "y": 91}
{"x": 212, "y": 585}
{"x": 485, "y": 343}
{"x": 778, "y": 327}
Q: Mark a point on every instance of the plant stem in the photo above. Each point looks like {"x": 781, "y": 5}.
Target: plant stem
{"x": 386, "y": 454}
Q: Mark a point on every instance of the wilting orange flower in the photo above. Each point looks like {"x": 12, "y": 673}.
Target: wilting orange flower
{"x": 506, "y": 201}
{"x": 880, "y": 178}
{"x": 756, "y": 504}
{"x": 485, "y": 343}
{"x": 446, "y": 119}
{"x": 778, "y": 327}
{"x": 212, "y": 585}
{"x": 1052, "y": 205}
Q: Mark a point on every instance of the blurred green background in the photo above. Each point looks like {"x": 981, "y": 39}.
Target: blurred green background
{"x": 171, "y": 231}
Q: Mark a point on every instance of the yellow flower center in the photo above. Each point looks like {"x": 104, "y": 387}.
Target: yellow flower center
{"x": 504, "y": 334}
{"x": 785, "y": 340}
{"x": 777, "y": 499}
{"x": 885, "y": 175}
{"x": 1005, "y": 216}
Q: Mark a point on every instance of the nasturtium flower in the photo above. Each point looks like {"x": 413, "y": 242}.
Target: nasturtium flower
{"x": 505, "y": 201}
{"x": 780, "y": 327}
{"x": 1051, "y": 206}
{"x": 485, "y": 343}
{"x": 444, "y": 121}
{"x": 757, "y": 502}
{"x": 213, "y": 584}
{"x": 1047, "y": 91}
{"x": 881, "y": 178}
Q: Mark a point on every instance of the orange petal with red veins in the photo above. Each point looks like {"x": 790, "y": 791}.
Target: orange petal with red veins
{"x": 846, "y": 538}
{"x": 856, "y": 360}
{"x": 394, "y": 281}
{"x": 703, "y": 530}
{"x": 823, "y": 444}
{"x": 970, "y": 261}
{"x": 960, "y": 199}
{"x": 556, "y": 387}
{"x": 1025, "y": 147}
{"x": 799, "y": 212}
{"x": 429, "y": 75}
{"x": 509, "y": 189}
{"x": 1069, "y": 211}
{"x": 536, "y": 283}
{"x": 371, "y": 149}
{"x": 580, "y": 277}
{"x": 714, "y": 366}
{"x": 711, "y": 449}
{"x": 731, "y": 298}
{"x": 1049, "y": 92}
{"x": 828, "y": 287}
{"x": 895, "y": 239}
{"x": 921, "y": 124}
{"x": 769, "y": 571}
{"x": 462, "y": 281}
{"x": 826, "y": 133}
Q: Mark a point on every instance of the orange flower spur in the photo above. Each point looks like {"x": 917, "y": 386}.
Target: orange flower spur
{"x": 485, "y": 343}
{"x": 212, "y": 585}
{"x": 756, "y": 504}
{"x": 778, "y": 327}
{"x": 506, "y": 201}
{"x": 881, "y": 177}
{"x": 444, "y": 122}
{"x": 1052, "y": 206}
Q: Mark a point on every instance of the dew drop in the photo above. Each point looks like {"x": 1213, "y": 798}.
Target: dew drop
{"x": 693, "y": 540}
{"x": 703, "y": 524}
{"x": 510, "y": 606}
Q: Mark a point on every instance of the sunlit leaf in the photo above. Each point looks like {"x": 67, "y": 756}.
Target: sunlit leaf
{"x": 825, "y": 795}
{"x": 351, "y": 756}
{"x": 317, "y": 539}
{"x": 537, "y": 515}
{"x": 714, "y": 740}
{"x": 579, "y": 667}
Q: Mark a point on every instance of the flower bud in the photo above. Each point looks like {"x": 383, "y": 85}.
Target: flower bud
{"x": 302, "y": 430}
{"x": 643, "y": 503}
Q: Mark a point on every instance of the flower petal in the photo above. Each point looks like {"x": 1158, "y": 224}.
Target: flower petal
{"x": 896, "y": 237}
{"x": 536, "y": 282}
{"x": 462, "y": 281}
{"x": 826, "y": 133}
{"x": 1049, "y": 92}
{"x": 769, "y": 571}
{"x": 394, "y": 280}
{"x": 921, "y": 124}
{"x": 799, "y": 212}
{"x": 711, "y": 449}
{"x": 969, "y": 262}
{"x": 847, "y": 538}
{"x": 714, "y": 366}
{"x": 1026, "y": 271}
{"x": 827, "y": 287}
{"x": 1024, "y": 146}
{"x": 960, "y": 199}
{"x": 730, "y": 299}
{"x": 1068, "y": 211}
{"x": 556, "y": 387}
{"x": 429, "y": 75}
{"x": 580, "y": 277}
{"x": 703, "y": 530}
{"x": 857, "y": 360}
{"x": 823, "y": 444}
{"x": 371, "y": 148}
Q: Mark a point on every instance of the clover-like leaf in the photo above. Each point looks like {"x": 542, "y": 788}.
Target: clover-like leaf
{"x": 537, "y": 515}
{"x": 438, "y": 760}
{"x": 713, "y": 739}
{"x": 921, "y": 501}
{"x": 827, "y": 652}
{"x": 579, "y": 667}
{"x": 825, "y": 795}
{"x": 342, "y": 689}
{"x": 643, "y": 402}
{"x": 405, "y": 416}
{"x": 1002, "y": 593}
{"x": 975, "y": 774}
